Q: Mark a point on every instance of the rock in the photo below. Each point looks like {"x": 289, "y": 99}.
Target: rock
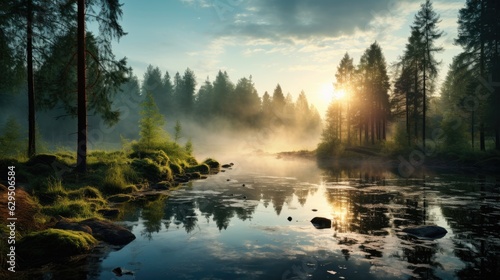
{"x": 68, "y": 225}
{"x": 227, "y": 165}
{"x": 41, "y": 158}
{"x": 109, "y": 213}
{"x": 109, "y": 232}
{"x": 315, "y": 210}
{"x": 120, "y": 272}
{"x": 53, "y": 245}
{"x": 243, "y": 185}
{"x": 120, "y": 198}
{"x": 201, "y": 168}
{"x": 321, "y": 223}
{"x": 163, "y": 185}
{"x": 228, "y": 180}
{"x": 289, "y": 219}
{"x": 194, "y": 175}
{"x": 426, "y": 232}
{"x": 212, "y": 163}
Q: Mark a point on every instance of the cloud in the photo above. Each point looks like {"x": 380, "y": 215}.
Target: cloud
{"x": 300, "y": 19}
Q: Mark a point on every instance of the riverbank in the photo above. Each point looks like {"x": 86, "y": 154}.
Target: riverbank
{"x": 55, "y": 209}
{"x": 404, "y": 163}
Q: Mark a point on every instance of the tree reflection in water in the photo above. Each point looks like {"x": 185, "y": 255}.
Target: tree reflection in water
{"x": 369, "y": 208}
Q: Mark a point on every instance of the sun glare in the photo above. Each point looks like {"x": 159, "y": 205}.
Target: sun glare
{"x": 328, "y": 93}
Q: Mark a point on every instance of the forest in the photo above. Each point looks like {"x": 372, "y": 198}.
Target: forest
{"x": 82, "y": 135}
{"x": 399, "y": 108}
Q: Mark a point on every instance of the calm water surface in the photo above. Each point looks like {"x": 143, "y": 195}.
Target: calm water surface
{"x": 219, "y": 229}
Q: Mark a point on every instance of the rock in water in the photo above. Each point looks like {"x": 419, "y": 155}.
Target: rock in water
{"x": 321, "y": 223}
{"x": 109, "y": 232}
{"x": 120, "y": 272}
{"x": 428, "y": 232}
{"x": 289, "y": 219}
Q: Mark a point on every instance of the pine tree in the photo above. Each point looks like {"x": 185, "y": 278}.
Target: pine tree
{"x": 107, "y": 19}
{"x": 425, "y": 23}
{"x": 345, "y": 78}
{"x": 151, "y": 124}
{"x": 478, "y": 26}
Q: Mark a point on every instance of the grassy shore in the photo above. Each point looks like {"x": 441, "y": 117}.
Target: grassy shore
{"x": 48, "y": 188}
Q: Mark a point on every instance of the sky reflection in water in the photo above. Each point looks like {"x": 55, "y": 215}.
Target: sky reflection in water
{"x": 220, "y": 229}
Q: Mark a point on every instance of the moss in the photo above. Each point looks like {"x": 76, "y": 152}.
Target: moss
{"x": 54, "y": 244}
{"x": 85, "y": 193}
{"x": 202, "y": 168}
{"x": 212, "y": 163}
{"x": 69, "y": 208}
{"x": 176, "y": 168}
{"x": 119, "y": 198}
{"x": 149, "y": 170}
{"x": 158, "y": 156}
{"x": 130, "y": 189}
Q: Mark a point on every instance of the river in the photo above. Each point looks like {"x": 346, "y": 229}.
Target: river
{"x": 253, "y": 222}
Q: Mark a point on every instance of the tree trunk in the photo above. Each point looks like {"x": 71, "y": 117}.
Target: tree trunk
{"x": 424, "y": 105}
{"x": 481, "y": 137}
{"x": 31, "y": 84}
{"x": 472, "y": 130}
{"x": 481, "y": 72}
{"x": 81, "y": 162}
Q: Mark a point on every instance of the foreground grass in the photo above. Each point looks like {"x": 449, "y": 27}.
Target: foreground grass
{"x": 48, "y": 187}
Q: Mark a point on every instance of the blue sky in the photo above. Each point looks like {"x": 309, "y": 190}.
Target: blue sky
{"x": 297, "y": 43}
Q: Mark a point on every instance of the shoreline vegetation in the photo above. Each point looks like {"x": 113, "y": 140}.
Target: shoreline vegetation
{"x": 68, "y": 213}
{"x": 401, "y": 161}
{"x": 62, "y": 213}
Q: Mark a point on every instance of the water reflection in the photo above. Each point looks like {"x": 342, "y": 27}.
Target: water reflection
{"x": 369, "y": 208}
{"x": 235, "y": 226}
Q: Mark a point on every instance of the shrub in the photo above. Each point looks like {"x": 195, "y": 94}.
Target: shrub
{"x": 114, "y": 181}
{"x": 329, "y": 149}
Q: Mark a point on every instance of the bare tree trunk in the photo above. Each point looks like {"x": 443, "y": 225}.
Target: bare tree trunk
{"x": 81, "y": 162}
{"x": 424, "y": 105}
{"x": 31, "y": 84}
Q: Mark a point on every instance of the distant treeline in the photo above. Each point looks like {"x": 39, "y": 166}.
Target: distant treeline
{"x": 218, "y": 105}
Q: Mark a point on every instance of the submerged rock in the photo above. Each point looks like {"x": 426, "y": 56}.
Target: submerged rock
{"x": 120, "y": 272}
{"x": 321, "y": 223}
{"x": 227, "y": 165}
{"x": 428, "y": 232}
{"x": 109, "y": 232}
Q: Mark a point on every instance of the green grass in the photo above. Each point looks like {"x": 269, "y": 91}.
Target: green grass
{"x": 47, "y": 245}
{"x": 70, "y": 208}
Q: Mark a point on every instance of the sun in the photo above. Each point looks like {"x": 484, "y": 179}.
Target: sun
{"x": 328, "y": 93}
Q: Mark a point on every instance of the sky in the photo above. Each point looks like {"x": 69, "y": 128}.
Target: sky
{"x": 296, "y": 43}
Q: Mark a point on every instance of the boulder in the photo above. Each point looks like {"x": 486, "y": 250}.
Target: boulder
{"x": 53, "y": 245}
{"x": 321, "y": 223}
{"x": 68, "y": 225}
{"x": 109, "y": 213}
{"x": 118, "y": 271}
{"x": 109, "y": 232}
{"x": 426, "y": 232}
